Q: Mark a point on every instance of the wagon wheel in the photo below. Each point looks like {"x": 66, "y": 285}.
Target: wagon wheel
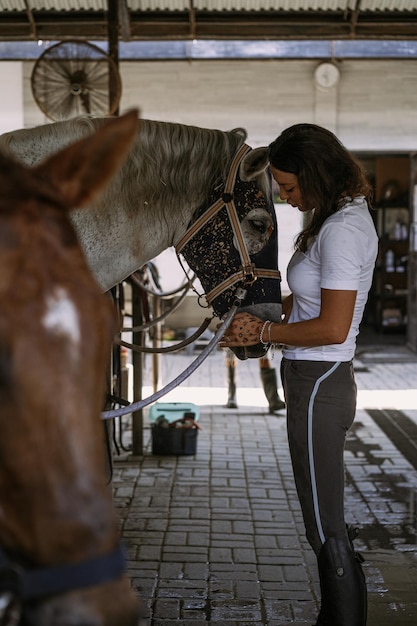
{"x": 75, "y": 78}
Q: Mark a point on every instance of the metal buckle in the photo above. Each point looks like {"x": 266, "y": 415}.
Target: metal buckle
{"x": 249, "y": 275}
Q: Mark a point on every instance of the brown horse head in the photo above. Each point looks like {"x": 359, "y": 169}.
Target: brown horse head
{"x": 56, "y": 328}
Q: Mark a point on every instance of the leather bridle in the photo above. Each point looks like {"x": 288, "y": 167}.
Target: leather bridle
{"x": 248, "y": 272}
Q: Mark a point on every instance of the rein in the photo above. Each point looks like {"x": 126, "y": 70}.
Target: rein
{"x": 178, "y": 346}
{"x": 19, "y": 586}
{"x": 162, "y": 296}
{"x": 247, "y": 275}
{"x": 140, "y": 404}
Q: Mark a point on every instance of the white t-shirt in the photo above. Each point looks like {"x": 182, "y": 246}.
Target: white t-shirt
{"x": 342, "y": 256}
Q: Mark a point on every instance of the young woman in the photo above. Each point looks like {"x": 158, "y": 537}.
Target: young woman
{"x": 329, "y": 275}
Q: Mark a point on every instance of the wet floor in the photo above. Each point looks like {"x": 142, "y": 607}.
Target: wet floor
{"x": 217, "y": 538}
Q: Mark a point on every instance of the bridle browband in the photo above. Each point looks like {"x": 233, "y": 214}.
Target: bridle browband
{"x": 248, "y": 272}
{"x": 24, "y": 585}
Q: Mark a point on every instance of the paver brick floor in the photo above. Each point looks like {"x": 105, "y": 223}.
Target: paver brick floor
{"x": 217, "y": 538}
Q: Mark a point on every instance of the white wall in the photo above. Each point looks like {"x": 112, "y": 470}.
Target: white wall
{"x": 11, "y": 101}
{"x": 372, "y": 108}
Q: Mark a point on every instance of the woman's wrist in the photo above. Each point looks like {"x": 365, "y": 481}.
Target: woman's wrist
{"x": 269, "y": 332}
{"x": 265, "y": 333}
{"x": 264, "y": 327}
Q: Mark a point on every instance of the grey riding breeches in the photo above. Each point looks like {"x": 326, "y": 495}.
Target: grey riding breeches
{"x": 321, "y": 405}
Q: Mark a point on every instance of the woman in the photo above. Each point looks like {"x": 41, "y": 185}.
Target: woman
{"x": 329, "y": 275}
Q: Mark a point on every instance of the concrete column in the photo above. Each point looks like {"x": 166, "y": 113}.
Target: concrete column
{"x": 11, "y": 101}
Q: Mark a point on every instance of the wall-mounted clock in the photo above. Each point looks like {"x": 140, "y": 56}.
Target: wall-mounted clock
{"x": 326, "y": 75}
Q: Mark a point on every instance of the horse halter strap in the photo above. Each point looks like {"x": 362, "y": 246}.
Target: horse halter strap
{"x": 27, "y": 585}
{"x": 248, "y": 272}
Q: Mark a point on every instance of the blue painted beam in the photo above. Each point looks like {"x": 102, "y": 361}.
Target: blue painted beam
{"x": 231, "y": 49}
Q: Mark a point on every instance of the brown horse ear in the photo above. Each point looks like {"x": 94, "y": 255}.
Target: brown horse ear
{"x": 82, "y": 169}
{"x": 255, "y": 162}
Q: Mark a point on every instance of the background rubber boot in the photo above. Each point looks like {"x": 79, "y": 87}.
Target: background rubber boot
{"x": 343, "y": 586}
{"x": 231, "y": 388}
{"x": 269, "y": 384}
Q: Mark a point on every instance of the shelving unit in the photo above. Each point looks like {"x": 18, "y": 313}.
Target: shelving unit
{"x": 390, "y": 288}
{"x": 390, "y": 284}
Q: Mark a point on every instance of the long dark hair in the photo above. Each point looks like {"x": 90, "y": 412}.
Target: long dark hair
{"x": 328, "y": 174}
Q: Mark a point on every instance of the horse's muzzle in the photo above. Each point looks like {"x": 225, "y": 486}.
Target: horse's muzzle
{"x": 265, "y": 311}
{"x": 250, "y": 352}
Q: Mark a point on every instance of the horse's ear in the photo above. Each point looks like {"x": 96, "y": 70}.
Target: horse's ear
{"x": 82, "y": 169}
{"x": 255, "y": 162}
{"x": 241, "y": 132}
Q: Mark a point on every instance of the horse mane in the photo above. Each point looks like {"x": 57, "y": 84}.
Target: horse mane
{"x": 177, "y": 164}
{"x": 168, "y": 163}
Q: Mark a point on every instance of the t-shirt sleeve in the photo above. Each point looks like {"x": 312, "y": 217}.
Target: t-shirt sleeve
{"x": 341, "y": 255}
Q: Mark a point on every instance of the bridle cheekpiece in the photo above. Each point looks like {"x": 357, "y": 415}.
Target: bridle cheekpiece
{"x": 248, "y": 273}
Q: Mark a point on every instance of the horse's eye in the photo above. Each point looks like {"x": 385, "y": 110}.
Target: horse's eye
{"x": 258, "y": 225}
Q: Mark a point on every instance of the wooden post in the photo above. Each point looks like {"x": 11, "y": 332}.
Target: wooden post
{"x": 113, "y": 40}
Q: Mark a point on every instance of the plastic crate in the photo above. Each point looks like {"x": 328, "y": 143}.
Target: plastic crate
{"x": 169, "y": 439}
{"x": 172, "y": 411}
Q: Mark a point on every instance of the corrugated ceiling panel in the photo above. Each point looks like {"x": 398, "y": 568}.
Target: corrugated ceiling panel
{"x": 69, "y": 5}
{"x": 54, "y": 5}
{"x": 243, "y": 5}
{"x": 278, "y": 5}
{"x": 214, "y": 5}
{"x": 159, "y": 5}
{"x": 389, "y": 5}
{"x": 12, "y": 5}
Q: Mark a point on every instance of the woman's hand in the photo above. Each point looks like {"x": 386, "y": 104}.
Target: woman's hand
{"x": 243, "y": 331}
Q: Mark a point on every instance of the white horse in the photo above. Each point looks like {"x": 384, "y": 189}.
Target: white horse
{"x": 173, "y": 175}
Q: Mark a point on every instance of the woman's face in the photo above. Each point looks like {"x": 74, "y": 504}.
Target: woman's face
{"x": 288, "y": 188}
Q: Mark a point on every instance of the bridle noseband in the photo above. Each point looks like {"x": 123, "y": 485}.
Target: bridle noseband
{"x": 20, "y": 587}
{"x": 248, "y": 272}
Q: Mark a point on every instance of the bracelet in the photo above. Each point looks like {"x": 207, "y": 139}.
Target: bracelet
{"x": 269, "y": 332}
{"x": 264, "y": 325}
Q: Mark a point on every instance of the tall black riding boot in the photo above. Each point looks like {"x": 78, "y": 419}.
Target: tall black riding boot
{"x": 231, "y": 387}
{"x": 269, "y": 384}
{"x": 342, "y": 583}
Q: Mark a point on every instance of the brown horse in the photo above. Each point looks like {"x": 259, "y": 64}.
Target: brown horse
{"x": 60, "y": 559}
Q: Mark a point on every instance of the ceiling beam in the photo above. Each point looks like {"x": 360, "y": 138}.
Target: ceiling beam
{"x": 31, "y": 19}
{"x": 124, "y": 20}
{"x": 192, "y": 24}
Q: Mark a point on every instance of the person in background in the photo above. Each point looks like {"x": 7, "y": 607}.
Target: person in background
{"x": 268, "y": 376}
{"x": 329, "y": 275}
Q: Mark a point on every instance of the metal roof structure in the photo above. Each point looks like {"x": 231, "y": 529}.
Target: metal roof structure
{"x": 167, "y": 20}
